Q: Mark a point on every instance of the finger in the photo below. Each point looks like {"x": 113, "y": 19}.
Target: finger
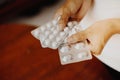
{"x": 69, "y": 8}
{"x": 64, "y": 14}
{"x": 83, "y": 10}
{"x": 78, "y": 37}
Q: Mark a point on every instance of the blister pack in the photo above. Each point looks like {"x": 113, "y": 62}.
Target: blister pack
{"x": 76, "y": 52}
{"x": 50, "y": 34}
{"x": 52, "y": 37}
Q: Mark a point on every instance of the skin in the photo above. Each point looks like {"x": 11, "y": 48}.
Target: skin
{"x": 97, "y": 34}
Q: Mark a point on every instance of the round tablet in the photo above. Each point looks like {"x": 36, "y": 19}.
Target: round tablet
{"x": 51, "y": 36}
{"x": 47, "y": 32}
{"x": 79, "y": 45}
{"x": 54, "y": 22}
{"x": 47, "y": 42}
{"x": 62, "y": 33}
{"x": 66, "y": 29}
{"x": 58, "y": 39}
{"x": 42, "y": 28}
{"x": 82, "y": 55}
{"x": 70, "y": 24}
{"x": 42, "y": 38}
{"x": 64, "y": 49}
{"x": 55, "y": 32}
{"x": 49, "y": 25}
{"x": 66, "y": 58}
{"x": 54, "y": 45}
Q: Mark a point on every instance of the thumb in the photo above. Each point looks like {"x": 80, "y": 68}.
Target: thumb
{"x": 77, "y": 37}
{"x": 64, "y": 15}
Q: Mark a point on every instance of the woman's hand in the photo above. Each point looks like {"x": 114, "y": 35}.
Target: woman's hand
{"x": 96, "y": 35}
{"x": 72, "y": 10}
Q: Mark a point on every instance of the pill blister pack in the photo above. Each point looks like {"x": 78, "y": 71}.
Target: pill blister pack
{"x": 74, "y": 52}
{"x": 50, "y": 34}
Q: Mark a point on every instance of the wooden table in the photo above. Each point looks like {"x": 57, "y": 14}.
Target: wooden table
{"x": 22, "y": 58}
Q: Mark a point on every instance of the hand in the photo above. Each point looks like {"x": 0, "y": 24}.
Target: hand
{"x": 72, "y": 10}
{"x": 96, "y": 36}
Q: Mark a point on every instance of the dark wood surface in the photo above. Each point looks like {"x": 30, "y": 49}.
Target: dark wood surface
{"x": 22, "y": 58}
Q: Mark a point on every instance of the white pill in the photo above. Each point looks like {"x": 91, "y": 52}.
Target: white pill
{"x": 65, "y": 41}
{"x": 58, "y": 39}
{"x": 58, "y": 28}
{"x": 53, "y": 28}
{"x": 79, "y": 45}
{"x": 55, "y": 32}
{"x": 54, "y": 22}
{"x": 66, "y": 58}
{"x": 54, "y": 44}
{"x": 70, "y": 24}
{"x": 62, "y": 33}
{"x": 47, "y": 33}
{"x": 49, "y": 25}
{"x": 47, "y": 42}
{"x": 51, "y": 36}
{"x": 82, "y": 55}
{"x": 42, "y": 28}
{"x": 64, "y": 49}
{"x": 72, "y": 32}
{"x": 66, "y": 29}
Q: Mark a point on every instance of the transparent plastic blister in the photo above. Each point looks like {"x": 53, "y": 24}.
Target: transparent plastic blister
{"x": 50, "y": 34}
{"x": 52, "y": 37}
{"x": 74, "y": 52}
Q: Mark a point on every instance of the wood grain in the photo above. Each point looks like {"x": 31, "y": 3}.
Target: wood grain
{"x": 22, "y": 58}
